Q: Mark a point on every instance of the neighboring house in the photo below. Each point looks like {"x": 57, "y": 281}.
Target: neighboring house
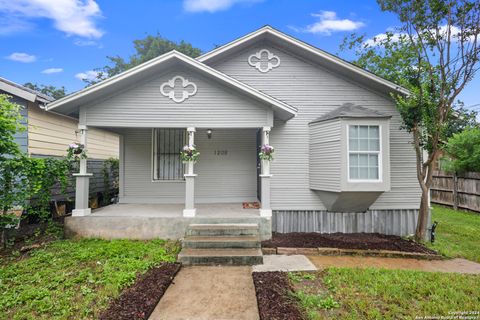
{"x": 341, "y": 161}
{"x": 49, "y": 133}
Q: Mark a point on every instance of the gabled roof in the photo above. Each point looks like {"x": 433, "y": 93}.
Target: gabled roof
{"x": 349, "y": 110}
{"x": 70, "y": 103}
{"x": 23, "y": 92}
{"x": 312, "y": 53}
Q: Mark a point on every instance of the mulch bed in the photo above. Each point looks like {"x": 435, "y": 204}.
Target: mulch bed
{"x": 363, "y": 241}
{"x": 138, "y": 301}
{"x": 274, "y": 302}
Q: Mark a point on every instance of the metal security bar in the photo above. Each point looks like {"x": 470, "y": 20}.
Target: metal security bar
{"x": 168, "y": 143}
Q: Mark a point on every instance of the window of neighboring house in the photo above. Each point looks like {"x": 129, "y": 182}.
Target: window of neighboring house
{"x": 364, "y": 156}
{"x": 167, "y": 144}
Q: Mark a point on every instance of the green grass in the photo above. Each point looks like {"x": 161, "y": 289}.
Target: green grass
{"x": 346, "y": 293}
{"x": 457, "y": 234}
{"x": 75, "y": 279}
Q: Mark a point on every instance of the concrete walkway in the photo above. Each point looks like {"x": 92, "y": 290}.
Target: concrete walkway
{"x": 209, "y": 293}
{"x": 273, "y": 262}
{"x": 454, "y": 265}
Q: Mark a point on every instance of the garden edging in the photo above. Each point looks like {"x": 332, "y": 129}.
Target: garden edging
{"x": 339, "y": 252}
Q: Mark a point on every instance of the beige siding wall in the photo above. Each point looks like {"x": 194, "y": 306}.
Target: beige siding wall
{"x": 50, "y": 134}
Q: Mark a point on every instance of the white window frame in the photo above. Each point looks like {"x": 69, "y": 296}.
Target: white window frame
{"x": 379, "y": 153}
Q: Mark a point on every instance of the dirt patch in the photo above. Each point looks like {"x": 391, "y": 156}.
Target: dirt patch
{"x": 138, "y": 301}
{"x": 274, "y": 301}
{"x": 31, "y": 236}
{"x": 363, "y": 241}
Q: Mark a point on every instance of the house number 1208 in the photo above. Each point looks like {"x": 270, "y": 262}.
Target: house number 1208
{"x": 220, "y": 152}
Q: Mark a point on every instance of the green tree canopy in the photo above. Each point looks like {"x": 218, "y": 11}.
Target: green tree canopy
{"x": 145, "y": 49}
{"x": 434, "y": 53}
{"x": 51, "y": 91}
{"x": 10, "y": 124}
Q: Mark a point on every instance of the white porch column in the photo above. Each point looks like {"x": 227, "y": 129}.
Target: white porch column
{"x": 266, "y": 210}
{"x": 190, "y": 210}
{"x": 82, "y": 180}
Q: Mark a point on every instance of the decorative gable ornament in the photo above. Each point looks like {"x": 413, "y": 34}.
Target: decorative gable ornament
{"x": 264, "y": 60}
{"x": 178, "y": 89}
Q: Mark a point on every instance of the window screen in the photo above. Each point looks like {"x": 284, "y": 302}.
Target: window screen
{"x": 363, "y": 152}
{"x": 167, "y": 144}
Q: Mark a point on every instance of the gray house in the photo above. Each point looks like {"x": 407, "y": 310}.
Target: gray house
{"x": 341, "y": 161}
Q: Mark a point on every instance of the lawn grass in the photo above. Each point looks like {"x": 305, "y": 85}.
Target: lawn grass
{"x": 457, "y": 234}
{"x": 75, "y": 279}
{"x": 346, "y": 293}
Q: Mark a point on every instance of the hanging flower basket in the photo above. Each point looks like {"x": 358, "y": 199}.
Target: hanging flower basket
{"x": 266, "y": 152}
{"x": 189, "y": 153}
{"x": 76, "y": 151}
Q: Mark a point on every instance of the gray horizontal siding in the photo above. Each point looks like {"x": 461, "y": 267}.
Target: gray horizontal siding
{"x": 400, "y": 222}
{"x": 138, "y": 184}
{"x": 213, "y": 106}
{"x": 316, "y": 91}
{"x": 325, "y": 156}
{"x": 231, "y": 177}
{"x": 221, "y": 178}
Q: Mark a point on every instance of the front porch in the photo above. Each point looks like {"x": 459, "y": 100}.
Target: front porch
{"x": 204, "y": 210}
{"x": 159, "y": 221}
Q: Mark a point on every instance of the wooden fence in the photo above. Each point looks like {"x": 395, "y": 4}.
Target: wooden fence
{"x": 458, "y": 191}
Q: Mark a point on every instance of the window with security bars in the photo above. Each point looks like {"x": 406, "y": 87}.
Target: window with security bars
{"x": 167, "y": 144}
{"x": 363, "y": 152}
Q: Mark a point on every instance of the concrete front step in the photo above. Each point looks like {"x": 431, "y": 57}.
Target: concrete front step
{"x": 249, "y": 256}
{"x": 223, "y": 229}
{"x": 221, "y": 242}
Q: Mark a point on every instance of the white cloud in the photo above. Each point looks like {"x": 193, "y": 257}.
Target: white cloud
{"x": 52, "y": 70}
{"x": 11, "y": 24}
{"x": 375, "y": 41}
{"x": 22, "y": 57}
{"x": 85, "y": 43}
{"x": 328, "y": 22}
{"x": 87, "y": 75}
{"x": 74, "y": 17}
{"x": 396, "y": 36}
{"x": 212, "y": 5}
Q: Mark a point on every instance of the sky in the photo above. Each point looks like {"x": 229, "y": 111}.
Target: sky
{"x": 60, "y": 42}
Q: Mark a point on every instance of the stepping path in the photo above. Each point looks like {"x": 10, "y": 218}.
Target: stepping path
{"x": 274, "y": 262}
{"x": 453, "y": 265}
{"x": 209, "y": 293}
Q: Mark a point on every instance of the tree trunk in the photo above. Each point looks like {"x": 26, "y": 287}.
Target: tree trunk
{"x": 3, "y": 239}
{"x": 422, "y": 223}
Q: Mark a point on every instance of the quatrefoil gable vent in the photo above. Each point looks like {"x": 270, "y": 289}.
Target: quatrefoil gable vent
{"x": 178, "y": 89}
{"x": 264, "y": 60}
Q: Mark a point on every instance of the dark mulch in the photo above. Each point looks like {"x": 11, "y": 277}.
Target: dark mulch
{"x": 364, "y": 241}
{"x": 273, "y": 299}
{"x": 138, "y": 301}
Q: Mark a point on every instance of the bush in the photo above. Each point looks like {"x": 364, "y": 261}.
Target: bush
{"x": 463, "y": 150}
{"x": 26, "y": 183}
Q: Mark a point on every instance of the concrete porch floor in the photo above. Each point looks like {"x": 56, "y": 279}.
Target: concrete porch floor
{"x": 164, "y": 221}
{"x": 205, "y": 210}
